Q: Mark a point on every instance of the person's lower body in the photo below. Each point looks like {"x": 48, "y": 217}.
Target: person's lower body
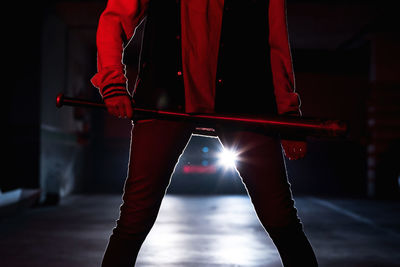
{"x": 262, "y": 168}
{"x": 155, "y": 149}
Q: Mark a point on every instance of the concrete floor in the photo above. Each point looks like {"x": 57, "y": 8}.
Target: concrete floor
{"x": 201, "y": 231}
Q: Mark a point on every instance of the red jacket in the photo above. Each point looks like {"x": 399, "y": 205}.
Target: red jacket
{"x": 117, "y": 25}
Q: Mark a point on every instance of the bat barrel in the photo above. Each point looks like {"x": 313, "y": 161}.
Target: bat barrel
{"x": 285, "y": 126}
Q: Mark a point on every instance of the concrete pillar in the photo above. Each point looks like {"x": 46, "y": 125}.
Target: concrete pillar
{"x": 384, "y": 117}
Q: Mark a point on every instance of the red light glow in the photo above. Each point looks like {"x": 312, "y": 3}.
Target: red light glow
{"x": 199, "y": 169}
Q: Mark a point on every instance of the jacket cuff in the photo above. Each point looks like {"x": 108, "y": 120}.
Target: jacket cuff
{"x": 288, "y": 103}
{"x": 293, "y": 113}
{"x": 111, "y": 81}
{"x": 114, "y": 89}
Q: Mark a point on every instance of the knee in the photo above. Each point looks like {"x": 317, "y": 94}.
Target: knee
{"x": 280, "y": 220}
{"x": 131, "y": 232}
{"x": 135, "y": 218}
{"x": 273, "y": 213}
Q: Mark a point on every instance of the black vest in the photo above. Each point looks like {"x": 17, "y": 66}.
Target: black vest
{"x": 244, "y": 79}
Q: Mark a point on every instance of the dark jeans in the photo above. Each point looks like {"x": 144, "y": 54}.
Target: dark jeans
{"x": 155, "y": 149}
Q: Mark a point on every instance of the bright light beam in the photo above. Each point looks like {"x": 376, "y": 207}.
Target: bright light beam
{"x": 227, "y": 158}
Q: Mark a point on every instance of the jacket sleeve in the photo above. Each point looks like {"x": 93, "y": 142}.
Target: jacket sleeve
{"x": 288, "y": 101}
{"x": 116, "y": 27}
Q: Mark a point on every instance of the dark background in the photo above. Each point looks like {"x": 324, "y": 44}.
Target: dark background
{"x": 346, "y": 60}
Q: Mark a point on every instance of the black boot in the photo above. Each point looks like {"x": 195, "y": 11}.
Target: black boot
{"x": 122, "y": 252}
{"x": 293, "y": 246}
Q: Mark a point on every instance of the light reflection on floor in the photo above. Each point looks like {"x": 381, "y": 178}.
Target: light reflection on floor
{"x": 221, "y": 231}
{"x": 201, "y": 231}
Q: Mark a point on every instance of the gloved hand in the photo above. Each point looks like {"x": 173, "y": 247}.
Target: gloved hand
{"x": 120, "y": 106}
{"x": 294, "y": 150}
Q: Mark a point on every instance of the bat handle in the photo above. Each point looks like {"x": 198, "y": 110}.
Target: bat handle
{"x": 62, "y": 100}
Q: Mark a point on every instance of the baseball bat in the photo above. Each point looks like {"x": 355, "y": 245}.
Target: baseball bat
{"x": 283, "y": 125}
